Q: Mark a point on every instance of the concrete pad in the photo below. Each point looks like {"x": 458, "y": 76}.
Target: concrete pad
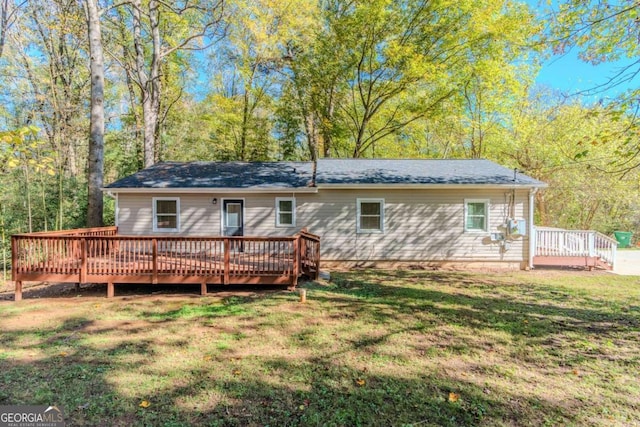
{"x": 627, "y": 262}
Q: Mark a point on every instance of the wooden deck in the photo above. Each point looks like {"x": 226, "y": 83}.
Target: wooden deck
{"x": 100, "y": 255}
{"x": 574, "y": 248}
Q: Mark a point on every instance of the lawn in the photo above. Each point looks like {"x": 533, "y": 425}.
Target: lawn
{"x": 369, "y": 347}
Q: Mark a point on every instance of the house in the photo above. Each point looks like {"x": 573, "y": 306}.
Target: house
{"x": 366, "y": 211}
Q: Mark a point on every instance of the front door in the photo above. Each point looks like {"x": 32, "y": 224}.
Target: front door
{"x": 232, "y": 218}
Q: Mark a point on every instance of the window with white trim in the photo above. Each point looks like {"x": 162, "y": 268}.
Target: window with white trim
{"x": 476, "y": 215}
{"x": 285, "y": 212}
{"x": 166, "y": 214}
{"x": 370, "y": 216}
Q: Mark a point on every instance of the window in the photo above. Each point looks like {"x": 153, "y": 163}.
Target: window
{"x": 476, "y": 215}
{"x": 285, "y": 212}
{"x": 370, "y": 216}
{"x": 166, "y": 214}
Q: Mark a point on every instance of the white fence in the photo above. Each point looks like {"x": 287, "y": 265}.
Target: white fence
{"x": 553, "y": 242}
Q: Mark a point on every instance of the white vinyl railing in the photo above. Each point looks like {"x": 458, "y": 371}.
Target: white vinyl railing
{"x": 575, "y": 243}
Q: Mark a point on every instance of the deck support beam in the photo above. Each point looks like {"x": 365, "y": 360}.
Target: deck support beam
{"x": 111, "y": 290}
{"x": 18, "y": 293}
{"x": 203, "y": 288}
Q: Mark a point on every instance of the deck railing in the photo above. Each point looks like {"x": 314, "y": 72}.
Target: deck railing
{"x": 103, "y": 256}
{"x": 550, "y": 242}
{"x": 309, "y": 254}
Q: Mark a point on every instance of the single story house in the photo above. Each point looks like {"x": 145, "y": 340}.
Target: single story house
{"x": 366, "y": 211}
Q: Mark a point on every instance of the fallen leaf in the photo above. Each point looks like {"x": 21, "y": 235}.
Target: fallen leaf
{"x": 360, "y": 382}
{"x": 575, "y": 372}
{"x": 301, "y": 407}
{"x": 453, "y": 397}
{"x": 64, "y": 354}
{"x": 236, "y": 372}
{"x": 525, "y": 321}
{"x": 97, "y": 306}
{"x": 144, "y": 404}
{"x": 206, "y": 358}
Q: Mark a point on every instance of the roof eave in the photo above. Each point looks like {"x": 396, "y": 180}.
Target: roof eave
{"x": 209, "y": 190}
{"x": 429, "y": 186}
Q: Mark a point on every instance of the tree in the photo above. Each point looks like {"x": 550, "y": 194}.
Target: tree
{"x": 8, "y": 16}
{"x": 49, "y": 88}
{"x": 96, "y": 138}
{"x": 159, "y": 31}
{"x": 563, "y": 144}
{"x": 601, "y": 30}
{"x": 379, "y": 68}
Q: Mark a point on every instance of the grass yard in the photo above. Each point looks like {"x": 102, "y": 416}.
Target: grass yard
{"x": 417, "y": 348}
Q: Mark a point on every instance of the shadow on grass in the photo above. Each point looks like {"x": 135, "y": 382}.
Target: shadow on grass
{"x": 311, "y": 390}
{"x": 550, "y": 311}
{"x": 323, "y": 392}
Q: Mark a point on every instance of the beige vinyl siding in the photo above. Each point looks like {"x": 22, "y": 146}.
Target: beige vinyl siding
{"x": 420, "y": 225}
{"x": 198, "y": 216}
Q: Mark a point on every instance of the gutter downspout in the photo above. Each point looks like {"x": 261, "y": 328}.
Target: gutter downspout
{"x": 532, "y": 229}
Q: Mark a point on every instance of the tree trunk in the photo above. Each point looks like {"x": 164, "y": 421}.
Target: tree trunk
{"x": 96, "y": 139}
{"x": 4, "y": 23}
{"x": 156, "y": 59}
{"x": 148, "y": 83}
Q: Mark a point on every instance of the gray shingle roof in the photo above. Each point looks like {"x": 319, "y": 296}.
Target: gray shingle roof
{"x": 220, "y": 175}
{"x": 245, "y": 175}
{"x": 374, "y": 171}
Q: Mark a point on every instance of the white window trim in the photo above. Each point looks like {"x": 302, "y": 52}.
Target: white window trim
{"x": 155, "y": 216}
{"x": 487, "y": 203}
{"x": 358, "y": 209}
{"x": 293, "y": 211}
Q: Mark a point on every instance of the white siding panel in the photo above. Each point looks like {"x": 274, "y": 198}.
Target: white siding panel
{"x": 420, "y": 225}
{"x": 198, "y": 216}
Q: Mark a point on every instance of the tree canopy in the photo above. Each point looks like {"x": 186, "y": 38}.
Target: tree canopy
{"x": 273, "y": 79}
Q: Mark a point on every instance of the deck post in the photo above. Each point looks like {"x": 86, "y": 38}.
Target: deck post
{"x": 83, "y": 262}
{"x": 154, "y": 246}
{"x": 18, "y": 294}
{"x": 111, "y": 290}
{"x": 592, "y": 244}
{"x": 296, "y": 261}
{"x": 203, "y": 288}
{"x": 227, "y": 261}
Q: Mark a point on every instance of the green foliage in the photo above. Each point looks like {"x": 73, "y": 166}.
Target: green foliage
{"x": 22, "y": 148}
{"x": 601, "y": 31}
{"x": 292, "y": 80}
{"x": 576, "y": 150}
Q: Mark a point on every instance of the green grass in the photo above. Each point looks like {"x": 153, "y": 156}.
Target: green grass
{"x": 368, "y": 348}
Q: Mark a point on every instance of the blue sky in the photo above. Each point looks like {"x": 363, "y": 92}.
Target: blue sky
{"x": 568, "y": 74}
